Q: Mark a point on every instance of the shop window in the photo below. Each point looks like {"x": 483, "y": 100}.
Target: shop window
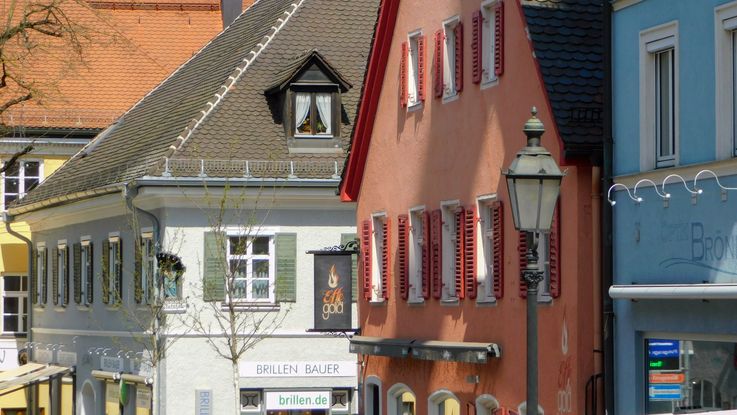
{"x": 443, "y": 402}
{"x": 15, "y": 304}
{"x": 20, "y": 179}
{"x": 250, "y": 401}
{"x": 252, "y": 265}
{"x": 401, "y": 400}
{"x": 686, "y": 376}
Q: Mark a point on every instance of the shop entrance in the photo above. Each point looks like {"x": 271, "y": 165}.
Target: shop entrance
{"x": 299, "y": 412}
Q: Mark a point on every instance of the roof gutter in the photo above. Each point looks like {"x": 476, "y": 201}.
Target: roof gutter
{"x": 61, "y": 200}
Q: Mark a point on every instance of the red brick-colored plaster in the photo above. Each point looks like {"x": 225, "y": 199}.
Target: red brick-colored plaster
{"x": 456, "y": 151}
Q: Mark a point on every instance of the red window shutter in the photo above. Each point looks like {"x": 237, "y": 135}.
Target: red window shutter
{"x": 469, "y": 251}
{"x": 438, "y": 85}
{"x": 555, "y": 254}
{"x": 499, "y": 39}
{"x": 421, "y": 59}
{"x": 403, "y": 74}
{"x": 426, "y": 264}
{"x": 459, "y": 56}
{"x": 522, "y": 250}
{"x": 366, "y": 258}
{"x": 476, "y": 22}
{"x": 459, "y": 223}
{"x": 386, "y": 258}
{"x": 402, "y": 260}
{"x": 436, "y": 253}
{"x": 497, "y": 220}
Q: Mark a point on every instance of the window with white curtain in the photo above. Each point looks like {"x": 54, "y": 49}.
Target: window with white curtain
{"x": 413, "y": 76}
{"x": 313, "y": 114}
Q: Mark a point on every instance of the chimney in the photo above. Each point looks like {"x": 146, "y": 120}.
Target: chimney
{"x": 229, "y": 10}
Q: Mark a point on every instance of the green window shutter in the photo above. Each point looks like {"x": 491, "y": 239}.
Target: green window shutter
{"x": 44, "y": 276}
{"x": 119, "y": 273}
{"x": 286, "y": 267}
{"x": 55, "y": 275}
{"x": 344, "y": 239}
{"x": 77, "y": 259}
{"x": 106, "y": 271}
{"x": 213, "y": 284}
{"x": 137, "y": 264}
{"x": 65, "y": 259}
{"x": 33, "y": 276}
{"x": 89, "y": 289}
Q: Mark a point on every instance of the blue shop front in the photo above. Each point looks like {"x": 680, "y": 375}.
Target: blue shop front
{"x": 675, "y": 296}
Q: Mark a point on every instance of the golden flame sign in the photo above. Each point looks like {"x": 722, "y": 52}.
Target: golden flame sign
{"x": 333, "y": 277}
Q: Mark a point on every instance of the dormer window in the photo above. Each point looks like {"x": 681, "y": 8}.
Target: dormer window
{"x": 306, "y": 99}
{"x": 313, "y": 114}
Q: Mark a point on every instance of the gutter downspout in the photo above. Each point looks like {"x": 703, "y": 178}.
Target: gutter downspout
{"x": 130, "y": 191}
{"x": 8, "y": 219}
{"x": 607, "y": 304}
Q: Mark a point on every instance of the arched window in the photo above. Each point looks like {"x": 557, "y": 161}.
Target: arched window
{"x": 400, "y": 400}
{"x": 372, "y": 401}
{"x": 443, "y": 402}
{"x": 486, "y": 404}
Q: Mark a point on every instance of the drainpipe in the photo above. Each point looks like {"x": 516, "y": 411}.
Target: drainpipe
{"x": 607, "y": 314}
{"x": 8, "y": 219}
{"x": 130, "y": 191}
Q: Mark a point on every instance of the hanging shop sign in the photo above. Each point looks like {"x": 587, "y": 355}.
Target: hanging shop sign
{"x": 333, "y": 279}
{"x": 203, "y": 402}
{"x": 290, "y": 400}
{"x": 345, "y": 368}
{"x": 143, "y": 397}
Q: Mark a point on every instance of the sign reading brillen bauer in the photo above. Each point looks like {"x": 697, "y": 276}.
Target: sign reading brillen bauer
{"x": 333, "y": 275}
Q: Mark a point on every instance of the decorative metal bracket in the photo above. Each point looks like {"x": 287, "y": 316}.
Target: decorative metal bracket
{"x": 349, "y": 247}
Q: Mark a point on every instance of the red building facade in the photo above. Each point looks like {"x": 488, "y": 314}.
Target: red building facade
{"x": 442, "y": 303}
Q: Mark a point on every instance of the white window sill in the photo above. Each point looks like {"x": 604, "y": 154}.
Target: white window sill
{"x": 60, "y": 308}
{"x": 114, "y": 307}
{"x": 451, "y": 302}
{"x": 39, "y": 307}
{"x": 313, "y": 136}
{"x": 170, "y": 306}
{"x": 251, "y": 306}
{"x": 377, "y": 301}
{"x": 414, "y": 106}
{"x": 488, "y": 83}
{"x": 416, "y": 302}
{"x": 83, "y": 307}
{"x": 485, "y": 301}
{"x": 450, "y": 98}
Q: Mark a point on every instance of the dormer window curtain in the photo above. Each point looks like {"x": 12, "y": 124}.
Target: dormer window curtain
{"x": 313, "y": 114}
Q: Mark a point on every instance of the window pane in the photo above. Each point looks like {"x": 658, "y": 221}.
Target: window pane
{"x": 665, "y": 104}
{"x": 239, "y": 289}
{"x": 10, "y": 305}
{"x": 9, "y": 198}
{"x": 238, "y": 245}
{"x": 10, "y": 323}
{"x": 11, "y": 185}
{"x": 238, "y": 266}
{"x": 12, "y": 283}
{"x": 31, "y": 168}
{"x": 29, "y": 184}
{"x": 261, "y": 245}
{"x": 14, "y": 170}
{"x": 302, "y": 109}
{"x": 261, "y": 268}
{"x": 260, "y": 289}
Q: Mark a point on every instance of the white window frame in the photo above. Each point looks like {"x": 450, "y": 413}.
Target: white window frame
{"x": 654, "y": 41}
{"x": 41, "y": 273}
{"x": 438, "y": 397}
{"x": 84, "y": 275}
{"x": 488, "y": 42}
{"x": 313, "y": 97}
{"x": 450, "y": 55}
{"x": 21, "y": 179}
{"x": 148, "y": 268}
{"x": 62, "y": 259}
{"x": 485, "y": 251}
{"x": 249, "y": 257}
{"x": 486, "y": 404}
{"x": 377, "y": 240}
{"x": 114, "y": 240}
{"x": 413, "y": 76}
{"x": 448, "y": 239}
{"x": 393, "y": 396}
{"x": 369, "y": 403}
{"x": 725, "y": 44}
{"x": 22, "y": 296}
{"x": 417, "y": 238}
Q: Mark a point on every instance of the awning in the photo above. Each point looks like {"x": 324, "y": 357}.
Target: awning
{"x": 468, "y": 352}
{"x": 130, "y": 378}
{"x": 380, "y": 346}
{"x": 104, "y": 375}
{"x": 674, "y": 292}
{"x": 28, "y": 374}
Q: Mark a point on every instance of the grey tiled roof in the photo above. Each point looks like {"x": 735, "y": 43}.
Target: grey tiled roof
{"x": 567, "y": 37}
{"x": 242, "y": 126}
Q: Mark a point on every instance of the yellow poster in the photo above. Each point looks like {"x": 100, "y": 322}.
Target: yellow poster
{"x": 112, "y": 398}
{"x": 143, "y": 400}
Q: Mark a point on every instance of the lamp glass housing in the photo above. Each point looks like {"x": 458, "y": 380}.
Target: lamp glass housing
{"x": 533, "y": 200}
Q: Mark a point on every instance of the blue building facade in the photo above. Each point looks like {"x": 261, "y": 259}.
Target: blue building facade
{"x": 674, "y": 244}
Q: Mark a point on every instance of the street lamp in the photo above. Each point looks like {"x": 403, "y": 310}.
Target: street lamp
{"x": 533, "y": 182}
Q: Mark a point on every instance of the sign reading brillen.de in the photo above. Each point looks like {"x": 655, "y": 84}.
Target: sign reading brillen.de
{"x": 284, "y": 400}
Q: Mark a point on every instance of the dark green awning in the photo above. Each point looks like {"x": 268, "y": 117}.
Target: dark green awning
{"x": 469, "y": 352}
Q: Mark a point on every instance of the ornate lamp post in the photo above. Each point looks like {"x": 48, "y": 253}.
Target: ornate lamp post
{"x": 533, "y": 181}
